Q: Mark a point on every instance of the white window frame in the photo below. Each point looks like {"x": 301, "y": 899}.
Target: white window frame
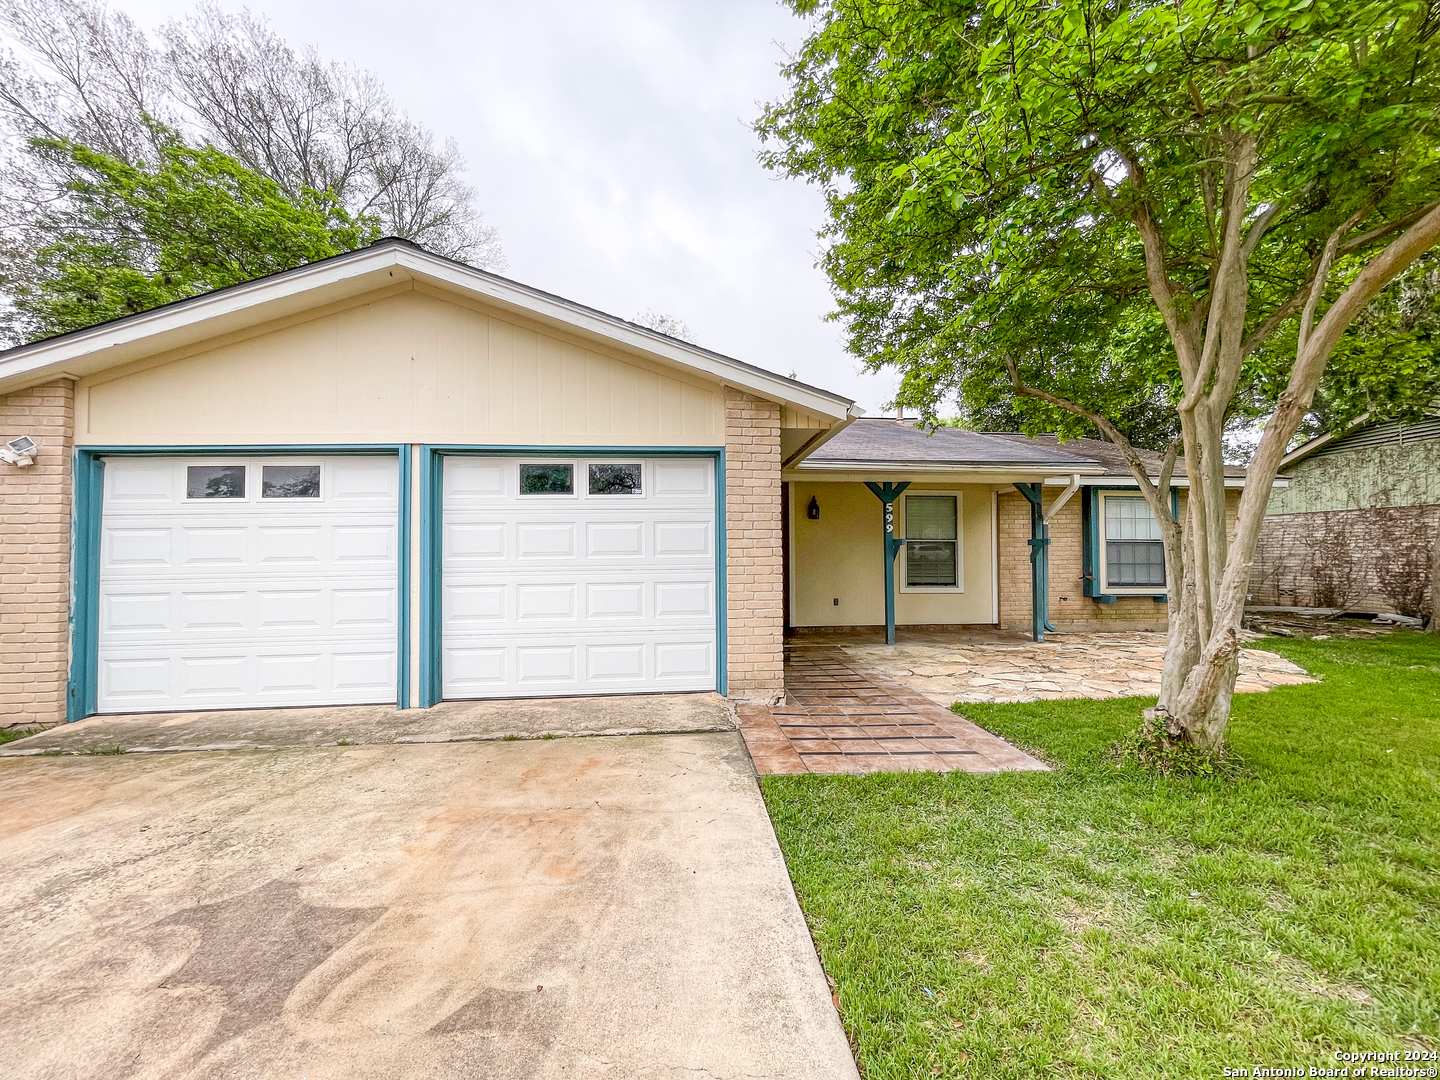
{"x": 904, "y": 523}
{"x": 1103, "y": 586}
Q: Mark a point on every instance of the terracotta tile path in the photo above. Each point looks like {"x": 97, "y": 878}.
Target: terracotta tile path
{"x": 841, "y": 716}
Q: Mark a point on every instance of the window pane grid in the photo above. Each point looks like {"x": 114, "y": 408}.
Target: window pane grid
{"x": 930, "y": 562}
{"x": 931, "y": 541}
{"x": 930, "y": 517}
{"x": 1129, "y": 518}
{"x": 1132, "y": 562}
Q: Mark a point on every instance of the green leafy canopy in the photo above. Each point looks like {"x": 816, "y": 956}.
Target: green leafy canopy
{"x": 129, "y": 238}
{"x": 983, "y": 164}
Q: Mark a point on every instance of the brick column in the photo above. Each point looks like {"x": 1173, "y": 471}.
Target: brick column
{"x": 754, "y": 590}
{"x": 35, "y": 556}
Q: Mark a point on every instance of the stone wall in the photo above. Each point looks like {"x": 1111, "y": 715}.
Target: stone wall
{"x": 1377, "y": 559}
{"x": 35, "y": 556}
{"x": 754, "y": 571}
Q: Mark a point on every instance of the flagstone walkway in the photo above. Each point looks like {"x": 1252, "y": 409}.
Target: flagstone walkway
{"x": 1104, "y": 665}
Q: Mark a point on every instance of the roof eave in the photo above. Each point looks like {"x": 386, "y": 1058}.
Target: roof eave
{"x": 343, "y": 277}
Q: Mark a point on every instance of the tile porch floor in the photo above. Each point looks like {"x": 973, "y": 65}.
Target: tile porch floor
{"x": 842, "y": 716}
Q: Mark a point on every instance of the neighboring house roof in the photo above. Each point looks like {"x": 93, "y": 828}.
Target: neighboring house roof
{"x": 1109, "y": 455}
{"x": 342, "y": 277}
{"x": 879, "y": 440}
{"x": 1362, "y": 433}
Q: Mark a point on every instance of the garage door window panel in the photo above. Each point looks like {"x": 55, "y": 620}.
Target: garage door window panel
{"x": 215, "y": 482}
{"x": 615, "y": 479}
{"x": 547, "y": 479}
{"x": 290, "y": 482}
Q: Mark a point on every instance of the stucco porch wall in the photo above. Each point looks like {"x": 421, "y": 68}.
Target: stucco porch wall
{"x": 839, "y": 557}
{"x": 1070, "y": 608}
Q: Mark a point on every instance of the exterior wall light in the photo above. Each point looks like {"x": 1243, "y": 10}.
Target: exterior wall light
{"x": 813, "y": 510}
{"x": 19, "y": 451}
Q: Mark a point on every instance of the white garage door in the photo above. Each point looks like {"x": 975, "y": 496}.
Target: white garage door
{"x": 240, "y": 583}
{"x": 578, "y": 575}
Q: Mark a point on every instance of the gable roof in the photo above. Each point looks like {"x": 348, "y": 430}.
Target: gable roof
{"x": 352, "y": 274}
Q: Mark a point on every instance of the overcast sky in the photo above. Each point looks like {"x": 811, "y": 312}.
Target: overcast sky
{"x": 609, "y": 143}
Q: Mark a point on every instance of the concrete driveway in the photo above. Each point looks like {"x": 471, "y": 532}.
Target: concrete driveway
{"x": 590, "y": 907}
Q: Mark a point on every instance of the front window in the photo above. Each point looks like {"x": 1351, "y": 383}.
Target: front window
{"x": 931, "y": 542}
{"x": 1134, "y": 551}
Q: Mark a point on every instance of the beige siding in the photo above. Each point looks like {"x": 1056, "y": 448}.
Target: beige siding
{"x": 840, "y": 557}
{"x": 410, "y": 367}
{"x": 35, "y": 566}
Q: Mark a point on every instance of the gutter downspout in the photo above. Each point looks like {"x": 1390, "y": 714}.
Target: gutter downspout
{"x": 1063, "y": 498}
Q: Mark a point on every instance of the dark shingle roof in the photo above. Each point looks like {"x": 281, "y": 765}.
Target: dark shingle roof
{"x": 1106, "y": 453}
{"x": 883, "y": 441}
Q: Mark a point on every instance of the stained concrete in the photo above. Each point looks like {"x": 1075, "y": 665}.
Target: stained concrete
{"x": 568, "y": 908}
{"x": 450, "y": 721}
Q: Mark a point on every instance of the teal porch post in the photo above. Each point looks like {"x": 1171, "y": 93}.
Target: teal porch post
{"x": 887, "y": 493}
{"x": 1039, "y": 563}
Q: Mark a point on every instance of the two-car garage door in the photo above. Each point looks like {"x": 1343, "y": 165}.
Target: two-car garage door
{"x": 273, "y": 581}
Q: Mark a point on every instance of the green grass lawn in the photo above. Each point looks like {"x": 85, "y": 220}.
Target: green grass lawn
{"x": 1099, "y": 921}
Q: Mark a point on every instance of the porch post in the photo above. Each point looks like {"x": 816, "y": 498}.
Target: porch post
{"x": 887, "y": 493}
{"x": 1039, "y": 562}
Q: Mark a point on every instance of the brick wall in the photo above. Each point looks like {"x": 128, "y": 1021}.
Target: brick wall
{"x": 1375, "y": 559}
{"x": 754, "y": 588}
{"x": 1070, "y": 608}
{"x": 35, "y": 556}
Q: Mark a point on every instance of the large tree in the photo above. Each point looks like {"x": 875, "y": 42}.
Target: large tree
{"x": 129, "y": 238}
{"x": 78, "y": 72}
{"x": 1145, "y": 216}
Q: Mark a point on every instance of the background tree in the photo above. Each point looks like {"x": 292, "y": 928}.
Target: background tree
{"x": 76, "y": 73}
{"x": 1148, "y": 216}
{"x": 664, "y": 324}
{"x": 129, "y": 238}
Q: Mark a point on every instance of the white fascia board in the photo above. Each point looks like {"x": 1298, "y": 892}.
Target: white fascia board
{"x": 1232, "y": 483}
{"x": 919, "y": 472}
{"x": 294, "y": 291}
